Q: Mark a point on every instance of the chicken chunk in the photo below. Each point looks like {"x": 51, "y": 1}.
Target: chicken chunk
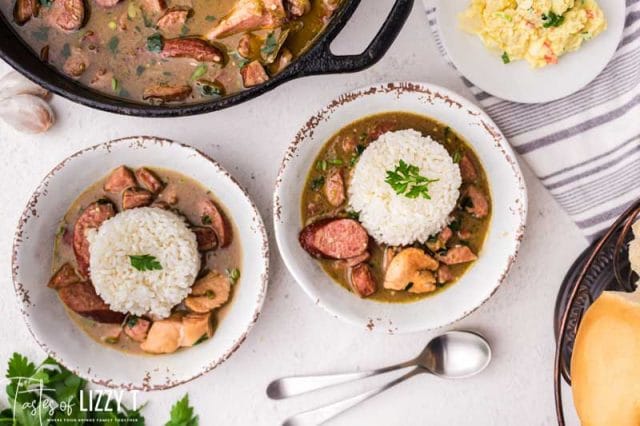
{"x": 149, "y": 180}
{"x": 249, "y": 15}
{"x": 457, "y": 254}
{"x": 119, "y": 180}
{"x": 153, "y": 6}
{"x": 253, "y": 74}
{"x": 65, "y": 276}
{"x": 136, "y": 197}
{"x": 298, "y": 8}
{"x": 137, "y": 328}
{"x": 76, "y": 64}
{"x": 164, "y": 336}
{"x": 444, "y": 274}
{"x": 208, "y": 293}
{"x": 195, "y": 327}
{"x": 411, "y": 269}
{"x": 362, "y": 281}
{"x": 334, "y": 188}
{"x": 173, "y": 18}
{"x": 479, "y": 206}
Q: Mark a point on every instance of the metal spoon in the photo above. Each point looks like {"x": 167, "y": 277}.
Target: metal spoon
{"x": 453, "y": 355}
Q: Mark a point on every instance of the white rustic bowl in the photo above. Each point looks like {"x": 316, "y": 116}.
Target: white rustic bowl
{"x": 507, "y": 223}
{"x": 45, "y": 314}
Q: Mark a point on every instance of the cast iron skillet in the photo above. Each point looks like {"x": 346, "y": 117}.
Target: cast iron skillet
{"x": 318, "y": 59}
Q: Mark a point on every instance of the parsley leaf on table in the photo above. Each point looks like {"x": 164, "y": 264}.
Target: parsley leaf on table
{"x": 182, "y": 414}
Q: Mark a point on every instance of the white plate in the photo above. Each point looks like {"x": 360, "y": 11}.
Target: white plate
{"x": 505, "y": 232}
{"x": 517, "y": 81}
{"x": 44, "y": 313}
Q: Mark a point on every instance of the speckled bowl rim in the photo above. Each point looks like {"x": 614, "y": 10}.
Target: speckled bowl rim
{"x": 22, "y": 294}
{"x": 430, "y": 92}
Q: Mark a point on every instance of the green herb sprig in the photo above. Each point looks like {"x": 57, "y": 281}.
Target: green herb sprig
{"x": 551, "y": 19}
{"x": 145, "y": 262}
{"x": 406, "y": 180}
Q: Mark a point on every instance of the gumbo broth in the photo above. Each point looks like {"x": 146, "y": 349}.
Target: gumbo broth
{"x": 341, "y": 153}
{"x": 161, "y": 51}
{"x": 180, "y": 194}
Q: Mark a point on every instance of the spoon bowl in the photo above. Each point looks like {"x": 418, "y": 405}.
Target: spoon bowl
{"x": 455, "y": 355}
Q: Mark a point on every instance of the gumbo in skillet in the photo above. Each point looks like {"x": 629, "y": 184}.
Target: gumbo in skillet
{"x": 395, "y": 207}
{"x": 169, "y": 50}
{"x": 146, "y": 261}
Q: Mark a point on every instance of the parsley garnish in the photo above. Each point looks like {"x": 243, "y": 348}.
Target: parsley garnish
{"x": 234, "y": 275}
{"x": 206, "y": 220}
{"x": 505, "y": 58}
{"x": 155, "y": 43}
{"x": 406, "y": 180}
{"x": 317, "y": 183}
{"x": 199, "y": 72}
{"x": 210, "y": 18}
{"x": 145, "y": 262}
{"x": 552, "y": 20}
{"x": 182, "y": 414}
{"x": 270, "y": 44}
{"x": 113, "y": 44}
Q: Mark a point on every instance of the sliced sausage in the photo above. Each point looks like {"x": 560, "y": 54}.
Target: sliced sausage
{"x": 137, "y": 328}
{"x": 91, "y": 218}
{"x": 83, "y": 299}
{"x": 166, "y": 93}
{"x": 107, "y": 3}
{"x": 253, "y": 74}
{"x": 173, "y": 18}
{"x": 467, "y": 169}
{"x": 212, "y": 216}
{"x": 149, "y": 180}
{"x": 334, "y": 188}
{"x": 362, "y": 281}
{"x": 334, "y": 238}
{"x": 119, "y": 180}
{"x": 206, "y": 238}
{"x": 479, "y": 206}
{"x": 136, "y": 197}
{"x": 68, "y": 15}
{"x": 191, "y": 47}
{"x": 65, "y": 276}
{"x": 23, "y": 10}
{"x": 457, "y": 254}
{"x": 249, "y": 15}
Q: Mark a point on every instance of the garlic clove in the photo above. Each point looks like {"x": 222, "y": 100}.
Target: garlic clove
{"x": 14, "y": 83}
{"x": 27, "y": 113}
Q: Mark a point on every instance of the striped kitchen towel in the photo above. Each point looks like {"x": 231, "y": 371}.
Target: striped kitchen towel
{"x": 585, "y": 148}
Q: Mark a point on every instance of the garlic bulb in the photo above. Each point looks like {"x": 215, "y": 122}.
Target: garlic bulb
{"x": 14, "y": 83}
{"x": 27, "y": 113}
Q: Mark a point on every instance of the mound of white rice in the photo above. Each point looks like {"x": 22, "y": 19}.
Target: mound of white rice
{"x": 143, "y": 231}
{"x": 392, "y": 218}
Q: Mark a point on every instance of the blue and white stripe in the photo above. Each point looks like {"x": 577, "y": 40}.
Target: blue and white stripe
{"x": 585, "y": 148}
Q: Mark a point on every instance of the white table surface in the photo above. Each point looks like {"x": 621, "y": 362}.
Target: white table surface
{"x": 293, "y": 336}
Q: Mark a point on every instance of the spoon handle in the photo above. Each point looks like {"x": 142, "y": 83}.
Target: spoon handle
{"x": 325, "y": 413}
{"x": 291, "y": 386}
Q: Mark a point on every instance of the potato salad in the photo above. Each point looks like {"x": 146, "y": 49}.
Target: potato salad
{"x": 538, "y": 31}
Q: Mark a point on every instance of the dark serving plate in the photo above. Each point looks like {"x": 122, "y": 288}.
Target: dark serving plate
{"x": 318, "y": 59}
{"x": 602, "y": 266}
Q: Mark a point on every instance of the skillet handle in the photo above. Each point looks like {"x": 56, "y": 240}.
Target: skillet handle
{"x": 325, "y": 62}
